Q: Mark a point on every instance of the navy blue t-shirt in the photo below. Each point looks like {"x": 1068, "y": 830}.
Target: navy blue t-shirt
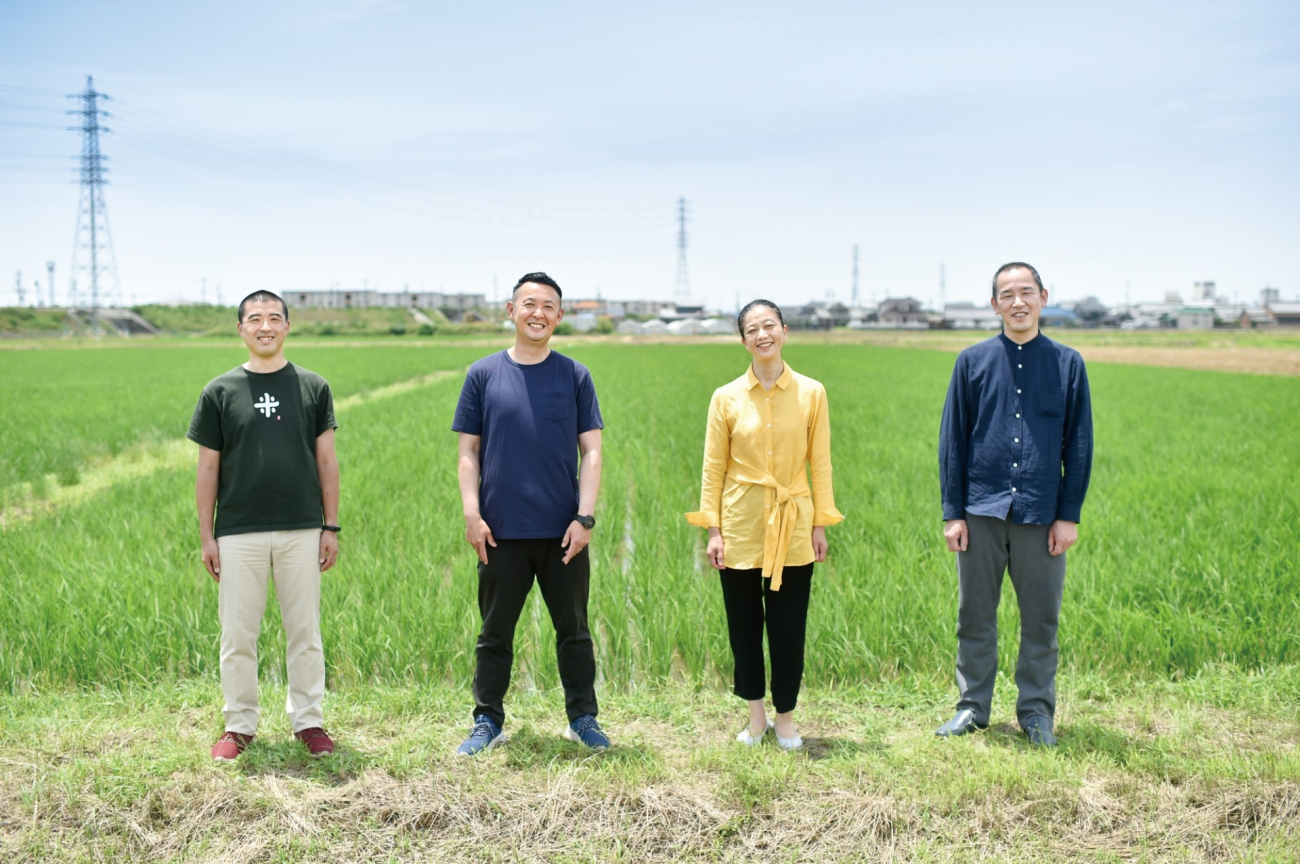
{"x": 529, "y": 418}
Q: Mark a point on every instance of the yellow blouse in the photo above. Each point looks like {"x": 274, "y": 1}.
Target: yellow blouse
{"x": 757, "y": 451}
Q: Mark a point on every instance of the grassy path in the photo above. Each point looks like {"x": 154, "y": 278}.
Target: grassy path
{"x": 1202, "y": 770}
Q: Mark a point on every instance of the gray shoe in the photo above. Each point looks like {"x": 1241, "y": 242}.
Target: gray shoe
{"x": 962, "y": 723}
{"x": 1039, "y": 730}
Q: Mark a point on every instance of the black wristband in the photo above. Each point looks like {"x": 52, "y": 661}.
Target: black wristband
{"x": 336, "y": 529}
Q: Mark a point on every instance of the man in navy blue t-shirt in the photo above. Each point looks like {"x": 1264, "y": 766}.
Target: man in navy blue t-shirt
{"x": 1015, "y": 453}
{"x": 525, "y": 417}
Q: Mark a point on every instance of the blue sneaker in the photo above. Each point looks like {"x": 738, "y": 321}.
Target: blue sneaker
{"x": 485, "y": 735}
{"x": 586, "y": 731}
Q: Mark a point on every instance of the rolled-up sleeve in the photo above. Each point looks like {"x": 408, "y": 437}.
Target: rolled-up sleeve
{"x": 819, "y": 462}
{"x": 717, "y": 450}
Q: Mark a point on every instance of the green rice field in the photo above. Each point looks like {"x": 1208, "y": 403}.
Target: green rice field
{"x": 1187, "y": 555}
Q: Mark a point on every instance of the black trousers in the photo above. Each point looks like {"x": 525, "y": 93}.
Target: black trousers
{"x": 503, "y": 586}
{"x": 750, "y": 604}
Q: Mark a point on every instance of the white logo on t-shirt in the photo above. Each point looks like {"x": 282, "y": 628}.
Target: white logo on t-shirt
{"x": 267, "y": 406}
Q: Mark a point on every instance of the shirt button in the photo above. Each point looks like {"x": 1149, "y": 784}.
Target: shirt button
{"x": 1020, "y": 365}
{"x": 1017, "y": 440}
{"x": 1017, "y": 391}
{"x": 769, "y": 425}
{"x": 1013, "y": 488}
{"x": 1015, "y": 464}
{"x": 1017, "y": 416}
{"x": 1020, "y": 347}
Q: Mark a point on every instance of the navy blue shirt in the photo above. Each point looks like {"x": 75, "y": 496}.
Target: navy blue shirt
{"x": 529, "y": 418}
{"x": 1016, "y": 438}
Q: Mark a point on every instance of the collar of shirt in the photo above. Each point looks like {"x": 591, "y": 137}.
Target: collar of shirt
{"x": 783, "y": 381}
{"x": 1039, "y": 341}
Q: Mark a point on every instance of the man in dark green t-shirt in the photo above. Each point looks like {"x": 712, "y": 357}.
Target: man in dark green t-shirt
{"x": 268, "y": 472}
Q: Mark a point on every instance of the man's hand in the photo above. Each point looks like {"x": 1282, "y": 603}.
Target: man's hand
{"x": 1061, "y": 536}
{"x": 714, "y": 550}
{"x": 329, "y": 549}
{"x": 575, "y": 540}
{"x": 212, "y": 558}
{"x": 819, "y": 543}
{"x": 957, "y": 535}
{"x": 479, "y": 535}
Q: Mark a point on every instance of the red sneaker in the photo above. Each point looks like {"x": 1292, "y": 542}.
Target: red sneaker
{"x": 318, "y": 743}
{"x": 229, "y": 746}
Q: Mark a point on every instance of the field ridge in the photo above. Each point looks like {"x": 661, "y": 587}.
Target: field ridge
{"x": 149, "y": 457}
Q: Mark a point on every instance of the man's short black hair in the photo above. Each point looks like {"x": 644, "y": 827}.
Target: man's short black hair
{"x": 541, "y": 279}
{"x": 754, "y": 304}
{"x": 262, "y": 297}
{"x": 1012, "y": 266}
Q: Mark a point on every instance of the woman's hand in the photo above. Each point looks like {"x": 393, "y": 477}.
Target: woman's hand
{"x": 714, "y": 549}
{"x": 819, "y": 543}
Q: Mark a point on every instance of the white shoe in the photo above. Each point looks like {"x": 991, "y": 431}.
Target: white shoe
{"x": 749, "y": 740}
{"x": 795, "y": 743}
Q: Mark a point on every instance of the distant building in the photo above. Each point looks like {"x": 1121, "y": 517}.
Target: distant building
{"x": 968, "y": 316}
{"x": 817, "y": 316}
{"x": 366, "y": 298}
{"x": 1203, "y": 291}
{"x": 1194, "y": 318}
{"x": 644, "y": 308}
{"x": 1091, "y": 312}
{"x": 686, "y": 327}
{"x": 1285, "y": 314}
{"x": 1255, "y": 316}
{"x": 1269, "y": 296}
{"x": 1057, "y": 316}
{"x": 902, "y": 312}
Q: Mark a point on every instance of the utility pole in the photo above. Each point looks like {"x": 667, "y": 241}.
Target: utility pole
{"x": 18, "y": 286}
{"x": 203, "y": 290}
{"x": 943, "y": 285}
{"x": 92, "y": 249}
{"x": 855, "y": 275}
{"x": 682, "y": 293}
{"x": 49, "y": 268}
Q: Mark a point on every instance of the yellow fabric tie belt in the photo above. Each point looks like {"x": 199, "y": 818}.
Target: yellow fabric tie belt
{"x": 780, "y": 524}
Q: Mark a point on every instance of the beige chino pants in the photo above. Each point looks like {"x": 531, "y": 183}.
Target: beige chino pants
{"x": 292, "y": 559}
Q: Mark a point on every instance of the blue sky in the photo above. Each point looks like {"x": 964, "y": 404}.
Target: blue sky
{"x": 442, "y": 146}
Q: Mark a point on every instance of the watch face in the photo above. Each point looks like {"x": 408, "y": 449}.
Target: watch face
{"x": 587, "y": 522}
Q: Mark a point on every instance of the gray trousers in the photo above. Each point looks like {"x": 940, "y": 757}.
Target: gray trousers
{"x": 995, "y": 547}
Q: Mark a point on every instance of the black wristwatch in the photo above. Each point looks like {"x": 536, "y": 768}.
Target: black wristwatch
{"x": 336, "y": 529}
{"x": 587, "y": 522}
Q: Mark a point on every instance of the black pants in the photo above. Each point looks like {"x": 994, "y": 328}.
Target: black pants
{"x": 750, "y": 603}
{"x": 503, "y": 586}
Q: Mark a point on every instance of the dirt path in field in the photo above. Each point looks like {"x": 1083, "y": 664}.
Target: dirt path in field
{"x": 146, "y": 459}
{"x": 1260, "y": 361}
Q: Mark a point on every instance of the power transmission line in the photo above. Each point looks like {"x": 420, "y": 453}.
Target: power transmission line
{"x": 854, "y": 294}
{"x": 682, "y": 292}
{"x": 92, "y": 246}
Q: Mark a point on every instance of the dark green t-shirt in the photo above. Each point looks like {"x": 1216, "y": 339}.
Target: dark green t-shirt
{"x": 265, "y": 425}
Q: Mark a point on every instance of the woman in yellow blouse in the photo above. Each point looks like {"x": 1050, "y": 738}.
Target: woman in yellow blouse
{"x": 767, "y": 522}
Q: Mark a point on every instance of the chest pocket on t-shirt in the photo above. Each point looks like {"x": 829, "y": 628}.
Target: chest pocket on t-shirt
{"x": 558, "y": 405}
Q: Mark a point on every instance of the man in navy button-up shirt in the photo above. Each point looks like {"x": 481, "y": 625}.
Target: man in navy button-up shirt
{"x": 1015, "y": 452}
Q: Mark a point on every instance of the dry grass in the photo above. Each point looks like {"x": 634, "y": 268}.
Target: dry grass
{"x": 873, "y": 785}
